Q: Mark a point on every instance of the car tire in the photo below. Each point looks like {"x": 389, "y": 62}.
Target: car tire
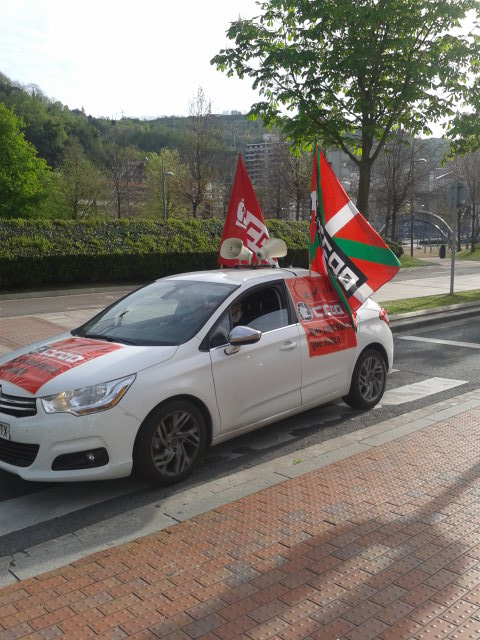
{"x": 170, "y": 443}
{"x": 369, "y": 380}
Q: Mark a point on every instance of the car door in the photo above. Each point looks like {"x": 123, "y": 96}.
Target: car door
{"x": 257, "y": 381}
{"x": 327, "y": 339}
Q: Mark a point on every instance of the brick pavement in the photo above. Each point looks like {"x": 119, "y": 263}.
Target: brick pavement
{"x": 383, "y": 544}
{"x": 22, "y": 330}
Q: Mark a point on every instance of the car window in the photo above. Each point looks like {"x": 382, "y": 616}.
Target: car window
{"x": 264, "y": 309}
{"x": 219, "y": 334}
{"x": 167, "y": 312}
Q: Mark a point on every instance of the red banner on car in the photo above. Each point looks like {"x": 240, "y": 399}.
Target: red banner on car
{"x": 327, "y": 325}
{"x": 244, "y": 219}
{"x": 32, "y": 370}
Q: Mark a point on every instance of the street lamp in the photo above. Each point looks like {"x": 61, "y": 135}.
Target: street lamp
{"x": 457, "y": 194}
{"x": 412, "y": 197}
{"x": 165, "y": 173}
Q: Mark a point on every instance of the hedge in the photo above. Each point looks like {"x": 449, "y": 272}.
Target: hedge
{"x": 57, "y": 252}
{"x": 37, "y": 253}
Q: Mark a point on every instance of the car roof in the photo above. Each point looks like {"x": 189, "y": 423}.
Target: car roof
{"x": 242, "y": 275}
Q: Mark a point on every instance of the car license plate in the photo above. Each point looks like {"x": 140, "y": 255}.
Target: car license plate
{"x": 4, "y": 431}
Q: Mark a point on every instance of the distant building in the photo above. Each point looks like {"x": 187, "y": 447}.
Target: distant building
{"x": 259, "y": 155}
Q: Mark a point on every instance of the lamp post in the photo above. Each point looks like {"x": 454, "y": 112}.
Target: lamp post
{"x": 165, "y": 173}
{"x": 412, "y": 197}
{"x": 457, "y": 194}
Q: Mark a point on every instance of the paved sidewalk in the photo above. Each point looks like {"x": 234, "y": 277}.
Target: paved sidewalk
{"x": 382, "y": 544}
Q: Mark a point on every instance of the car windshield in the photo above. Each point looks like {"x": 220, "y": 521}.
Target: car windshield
{"x": 167, "y": 312}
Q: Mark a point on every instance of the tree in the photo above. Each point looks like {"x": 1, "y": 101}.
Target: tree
{"x": 348, "y": 72}
{"x": 197, "y": 149}
{"x": 125, "y": 168}
{"x": 167, "y": 161}
{"x": 298, "y": 168}
{"x": 283, "y": 181}
{"x": 468, "y": 171}
{"x": 82, "y": 187}
{"x": 399, "y": 170}
{"x": 24, "y": 178}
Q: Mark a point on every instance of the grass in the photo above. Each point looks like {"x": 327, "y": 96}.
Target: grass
{"x": 466, "y": 254}
{"x": 430, "y": 302}
{"x": 408, "y": 261}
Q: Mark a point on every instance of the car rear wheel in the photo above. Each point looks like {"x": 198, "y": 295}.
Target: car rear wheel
{"x": 368, "y": 380}
{"x": 170, "y": 442}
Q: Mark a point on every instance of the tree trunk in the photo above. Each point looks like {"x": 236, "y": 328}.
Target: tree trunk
{"x": 364, "y": 188}
{"x": 474, "y": 211}
{"x": 394, "y": 224}
{"x": 387, "y": 221}
{"x": 459, "y": 233}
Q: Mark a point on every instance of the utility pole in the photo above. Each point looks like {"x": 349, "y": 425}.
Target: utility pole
{"x": 457, "y": 195}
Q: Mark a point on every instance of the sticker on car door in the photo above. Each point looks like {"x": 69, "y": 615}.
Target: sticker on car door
{"x": 327, "y": 325}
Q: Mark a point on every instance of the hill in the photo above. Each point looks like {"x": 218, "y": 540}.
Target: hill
{"x": 49, "y": 125}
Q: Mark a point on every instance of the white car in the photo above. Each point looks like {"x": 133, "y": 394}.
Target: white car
{"x": 171, "y": 368}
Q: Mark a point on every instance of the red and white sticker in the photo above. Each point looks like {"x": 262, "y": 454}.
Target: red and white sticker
{"x": 326, "y": 323}
{"x": 32, "y": 370}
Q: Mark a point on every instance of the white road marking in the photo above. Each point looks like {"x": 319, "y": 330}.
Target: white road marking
{"x": 452, "y": 343}
{"x": 418, "y": 390}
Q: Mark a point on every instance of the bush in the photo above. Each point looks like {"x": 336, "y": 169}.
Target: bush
{"x": 59, "y": 252}
{"x": 396, "y": 247}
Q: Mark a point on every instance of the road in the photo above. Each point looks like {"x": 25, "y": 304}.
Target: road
{"x": 80, "y": 299}
{"x": 430, "y": 365}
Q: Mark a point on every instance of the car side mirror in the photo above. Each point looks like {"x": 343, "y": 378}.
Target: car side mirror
{"x": 240, "y": 336}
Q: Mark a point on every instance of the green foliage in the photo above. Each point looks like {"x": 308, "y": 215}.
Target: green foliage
{"x": 24, "y": 177}
{"x": 49, "y": 125}
{"x": 431, "y": 302}
{"x": 82, "y": 189}
{"x": 45, "y": 252}
{"x": 396, "y": 247}
{"x": 410, "y": 261}
{"x": 169, "y": 162}
{"x": 348, "y": 72}
{"x": 468, "y": 254}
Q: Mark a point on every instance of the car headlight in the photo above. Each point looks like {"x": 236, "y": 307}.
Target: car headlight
{"x": 97, "y": 397}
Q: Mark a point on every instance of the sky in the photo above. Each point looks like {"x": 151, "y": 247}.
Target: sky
{"x": 118, "y": 58}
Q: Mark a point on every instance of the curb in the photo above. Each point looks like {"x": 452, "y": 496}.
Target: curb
{"x": 53, "y": 293}
{"x": 437, "y": 315}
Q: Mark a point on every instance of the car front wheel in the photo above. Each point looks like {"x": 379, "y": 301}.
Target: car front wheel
{"x": 170, "y": 442}
{"x": 368, "y": 380}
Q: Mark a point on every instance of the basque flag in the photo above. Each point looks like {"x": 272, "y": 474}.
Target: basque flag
{"x": 342, "y": 243}
{"x": 244, "y": 219}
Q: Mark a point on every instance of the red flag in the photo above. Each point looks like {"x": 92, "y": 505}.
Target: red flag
{"x": 342, "y": 243}
{"x": 244, "y": 219}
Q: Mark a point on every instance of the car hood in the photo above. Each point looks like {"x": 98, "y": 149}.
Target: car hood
{"x": 70, "y": 362}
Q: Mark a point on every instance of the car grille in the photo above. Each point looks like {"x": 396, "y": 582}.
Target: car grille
{"x": 18, "y": 453}
{"x": 17, "y": 406}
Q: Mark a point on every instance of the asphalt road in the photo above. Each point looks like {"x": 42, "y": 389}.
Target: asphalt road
{"x": 31, "y": 303}
{"x": 440, "y": 362}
